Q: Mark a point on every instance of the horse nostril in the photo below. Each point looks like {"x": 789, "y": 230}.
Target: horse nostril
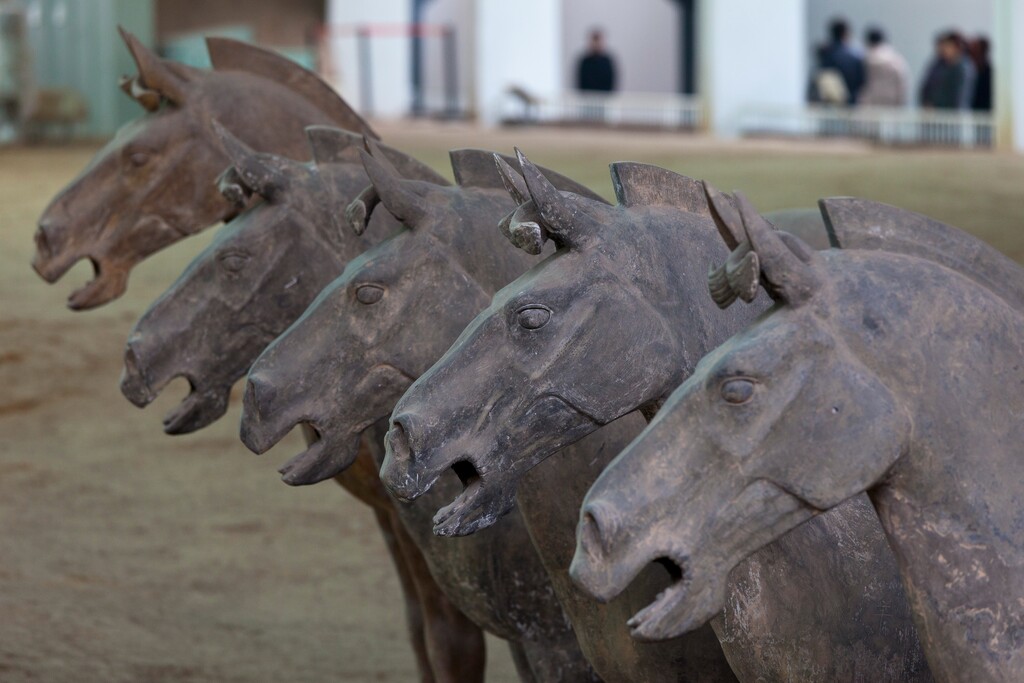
{"x": 134, "y": 385}
{"x": 591, "y": 533}
{"x": 398, "y": 441}
{"x": 256, "y": 395}
{"x": 42, "y": 241}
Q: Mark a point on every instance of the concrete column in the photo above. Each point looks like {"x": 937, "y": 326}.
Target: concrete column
{"x": 752, "y": 53}
{"x": 1008, "y": 44}
{"x": 389, "y": 74}
{"x": 517, "y": 43}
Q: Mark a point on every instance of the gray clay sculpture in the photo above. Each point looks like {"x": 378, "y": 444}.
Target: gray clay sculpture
{"x": 154, "y": 183}
{"x": 611, "y": 323}
{"x": 259, "y": 275}
{"x": 375, "y": 329}
{"x": 892, "y": 365}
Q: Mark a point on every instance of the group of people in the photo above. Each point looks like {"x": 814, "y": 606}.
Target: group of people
{"x": 958, "y": 78}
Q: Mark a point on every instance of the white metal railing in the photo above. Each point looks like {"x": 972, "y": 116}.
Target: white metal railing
{"x": 886, "y": 125}
{"x": 653, "y": 110}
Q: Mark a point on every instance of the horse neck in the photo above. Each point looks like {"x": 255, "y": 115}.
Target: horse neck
{"x": 952, "y": 352}
{"x": 262, "y": 113}
{"x": 672, "y": 250}
{"x": 473, "y": 242}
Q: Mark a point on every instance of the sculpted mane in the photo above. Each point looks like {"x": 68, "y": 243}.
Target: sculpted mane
{"x": 476, "y": 168}
{"x": 862, "y": 224}
{"x": 232, "y": 55}
{"x": 639, "y": 184}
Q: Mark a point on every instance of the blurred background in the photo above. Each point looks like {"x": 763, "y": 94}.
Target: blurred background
{"x": 729, "y": 68}
{"x": 128, "y": 555}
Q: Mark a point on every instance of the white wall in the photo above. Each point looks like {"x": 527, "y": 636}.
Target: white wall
{"x": 751, "y": 53}
{"x": 459, "y": 14}
{"x": 911, "y": 25}
{"x": 391, "y": 76}
{"x": 1009, "y": 86}
{"x": 517, "y": 43}
{"x": 642, "y": 35}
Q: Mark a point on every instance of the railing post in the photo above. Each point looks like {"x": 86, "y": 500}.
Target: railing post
{"x": 451, "y": 76}
{"x": 365, "y": 70}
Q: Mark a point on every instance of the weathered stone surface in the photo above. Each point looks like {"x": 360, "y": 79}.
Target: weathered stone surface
{"x": 345, "y": 362}
{"x": 611, "y": 323}
{"x": 153, "y": 184}
{"x": 259, "y": 275}
{"x": 893, "y": 366}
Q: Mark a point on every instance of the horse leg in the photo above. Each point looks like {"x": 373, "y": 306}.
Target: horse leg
{"x": 550, "y": 661}
{"x": 410, "y": 594}
{"x": 455, "y": 644}
{"x": 521, "y": 662}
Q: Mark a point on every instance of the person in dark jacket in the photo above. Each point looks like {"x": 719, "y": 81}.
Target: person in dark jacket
{"x": 838, "y": 55}
{"x": 979, "y": 50}
{"x": 949, "y": 83}
{"x": 596, "y": 69}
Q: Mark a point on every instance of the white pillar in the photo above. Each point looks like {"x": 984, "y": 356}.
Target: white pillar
{"x": 1009, "y": 73}
{"x": 751, "y": 53}
{"x": 517, "y": 43}
{"x": 390, "y": 69}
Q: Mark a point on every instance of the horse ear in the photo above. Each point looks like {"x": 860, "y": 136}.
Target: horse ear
{"x": 785, "y": 260}
{"x": 333, "y": 145}
{"x": 513, "y": 182}
{"x": 404, "y": 199}
{"x": 148, "y": 98}
{"x": 155, "y": 75}
{"x": 727, "y": 218}
{"x": 566, "y": 222}
{"x": 359, "y": 210}
{"x": 260, "y": 173}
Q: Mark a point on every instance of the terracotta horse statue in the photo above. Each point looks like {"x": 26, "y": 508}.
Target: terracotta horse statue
{"x": 260, "y": 273}
{"x": 154, "y": 183}
{"x": 612, "y": 323}
{"x": 892, "y": 365}
{"x": 396, "y": 308}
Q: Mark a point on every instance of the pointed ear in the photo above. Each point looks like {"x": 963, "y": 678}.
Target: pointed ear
{"x": 334, "y": 146}
{"x": 404, "y": 199}
{"x": 149, "y": 99}
{"x": 233, "y": 189}
{"x": 154, "y": 73}
{"x": 260, "y": 173}
{"x": 785, "y": 260}
{"x": 514, "y": 183}
{"x": 565, "y": 221}
{"x": 358, "y": 212}
{"x": 726, "y": 216}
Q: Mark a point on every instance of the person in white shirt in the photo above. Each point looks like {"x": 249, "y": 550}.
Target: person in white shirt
{"x": 887, "y": 74}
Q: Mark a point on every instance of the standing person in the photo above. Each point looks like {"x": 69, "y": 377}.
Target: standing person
{"x": 887, "y": 73}
{"x": 841, "y": 57}
{"x": 596, "y": 68}
{"x": 979, "y": 50}
{"x": 949, "y": 83}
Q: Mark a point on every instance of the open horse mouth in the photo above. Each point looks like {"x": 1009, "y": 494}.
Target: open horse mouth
{"x": 657, "y": 619}
{"x": 304, "y": 468}
{"x": 102, "y": 288}
{"x": 263, "y": 427}
{"x": 483, "y": 499}
{"x": 197, "y": 410}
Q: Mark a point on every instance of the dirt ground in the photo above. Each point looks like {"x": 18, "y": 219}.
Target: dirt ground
{"x": 128, "y": 555}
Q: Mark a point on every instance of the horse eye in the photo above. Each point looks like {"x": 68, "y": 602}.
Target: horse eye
{"x": 737, "y": 391}
{"x": 139, "y": 159}
{"x": 534, "y": 317}
{"x": 369, "y": 294}
{"x": 234, "y": 261}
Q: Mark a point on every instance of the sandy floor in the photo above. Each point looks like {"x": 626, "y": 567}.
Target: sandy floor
{"x": 128, "y": 555}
